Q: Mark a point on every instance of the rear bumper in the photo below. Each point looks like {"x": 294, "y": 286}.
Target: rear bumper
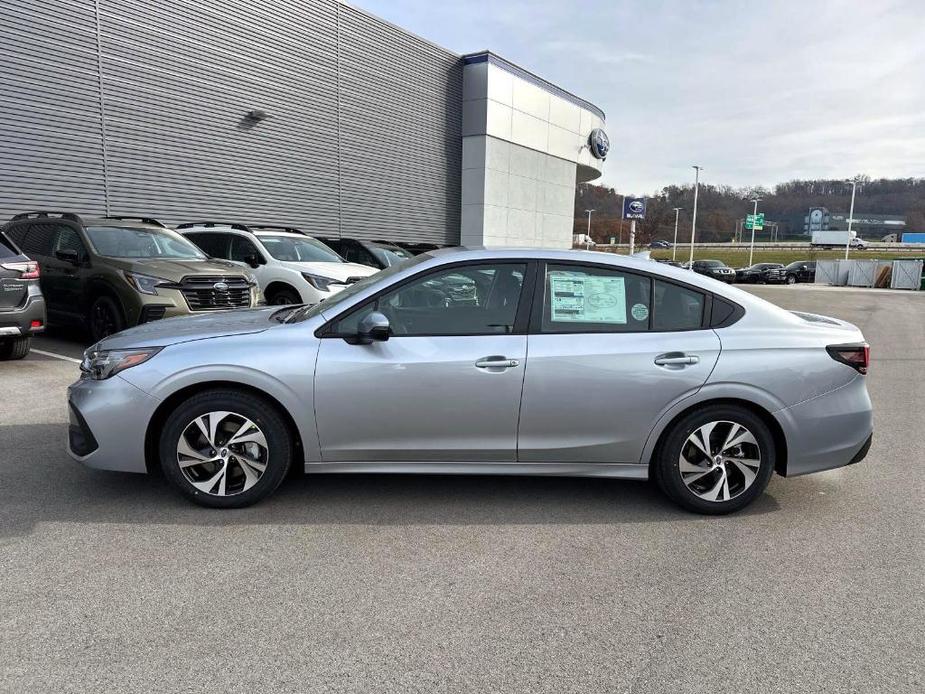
{"x": 17, "y": 322}
{"x": 828, "y": 431}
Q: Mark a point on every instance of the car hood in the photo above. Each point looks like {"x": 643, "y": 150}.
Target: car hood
{"x": 171, "y": 331}
{"x": 336, "y": 271}
{"x": 175, "y": 270}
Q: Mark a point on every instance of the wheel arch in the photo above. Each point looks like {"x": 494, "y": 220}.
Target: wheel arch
{"x": 780, "y": 439}
{"x": 156, "y": 423}
{"x": 280, "y": 285}
{"x": 98, "y": 287}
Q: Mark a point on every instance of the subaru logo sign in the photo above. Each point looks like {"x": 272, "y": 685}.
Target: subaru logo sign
{"x": 599, "y": 143}
{"x": 634, "y": 208}
{"x": 220, "y": 286}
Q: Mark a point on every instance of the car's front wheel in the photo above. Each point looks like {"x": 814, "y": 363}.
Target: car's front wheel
{"x": 716, "y": 460}
{"x": 791, "y": 279}
{"x": 105, "y": 318}
{"x": 225, "y": 448}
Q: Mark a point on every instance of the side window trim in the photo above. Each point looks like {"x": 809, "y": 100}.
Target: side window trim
{"x": 521, "y": 318}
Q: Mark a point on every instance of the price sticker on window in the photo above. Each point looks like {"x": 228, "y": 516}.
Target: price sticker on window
{"x": 587, "y": 299}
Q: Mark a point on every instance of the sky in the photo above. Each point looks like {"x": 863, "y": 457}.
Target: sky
{"x": 755, "y": 92}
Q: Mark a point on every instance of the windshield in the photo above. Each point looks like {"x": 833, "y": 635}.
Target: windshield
{"x": 355, "y": 288}
{"x": 299, "y": 249}
{"x": 391, "y": 254}
{"x": 136, "y": 242}
{"x": 711, "y": 263}
{"x": 796, "y": 265}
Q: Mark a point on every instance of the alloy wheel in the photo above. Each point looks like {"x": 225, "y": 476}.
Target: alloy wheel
{"x": 222, "y": 453}
{"x": 103, "y": 322}
{"x": 719, "y": 461}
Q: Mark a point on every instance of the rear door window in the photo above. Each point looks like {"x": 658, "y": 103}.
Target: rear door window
{"x": 213, "y": 245}
{"x": 38, "y": 239}
{"x": 676, "y": 307}
{"x": 589, "y": 299}
{"x": 7, "y": 249}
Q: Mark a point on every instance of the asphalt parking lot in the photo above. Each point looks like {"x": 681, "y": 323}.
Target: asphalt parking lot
{"x": 111, "y": 582}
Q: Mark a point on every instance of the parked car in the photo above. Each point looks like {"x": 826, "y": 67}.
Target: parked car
{"x": 563, "y": 363}
{"x": 660, "y": 244}
{"x": 757, "y": 273}
{"x": 716, "y": 269}
{"x": 416, "y": 248}
{"x": 672, "y": 263}
{"x": 291, "y": 267}
{"x": 798, "y": 271}
{"x": 375, "y": 254}
{"x": 109, "y": 273}
{"x": 22, "y": 306}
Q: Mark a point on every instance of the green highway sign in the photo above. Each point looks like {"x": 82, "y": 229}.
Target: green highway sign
{"x": 755, "y": 222}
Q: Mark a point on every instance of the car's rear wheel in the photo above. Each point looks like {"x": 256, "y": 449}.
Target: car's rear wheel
{"x": 105, "y": 318}
{"x": 225, "y": 448}
{"x": 716, "y": 460}
{"x": 284, "y": 297}
{"x": 15, "y": 348}
{"x": 791, "y": 279}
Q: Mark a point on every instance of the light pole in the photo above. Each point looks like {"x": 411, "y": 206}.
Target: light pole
{"x": 674, "y": 247}
{"x": 751, "y": 248}
{"x": 854, "y": 185}
{"x": 694, "y": 216}
{"x": 589, "y": 222}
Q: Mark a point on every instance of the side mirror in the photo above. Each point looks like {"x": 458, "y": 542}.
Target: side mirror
{"x": 373, "y": 328}
{"x": 68, "y": 255}
{"x": 254, "y": 260}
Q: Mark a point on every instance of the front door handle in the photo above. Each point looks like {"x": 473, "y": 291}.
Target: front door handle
{"x": 676, "y": 360}
{"x": 496, "y": 362}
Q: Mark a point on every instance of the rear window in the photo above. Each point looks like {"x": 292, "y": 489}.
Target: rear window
{"x": 7, "y": 249}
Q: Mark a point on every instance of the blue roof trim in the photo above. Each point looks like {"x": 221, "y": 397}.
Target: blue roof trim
{"x": 492, "y": 59}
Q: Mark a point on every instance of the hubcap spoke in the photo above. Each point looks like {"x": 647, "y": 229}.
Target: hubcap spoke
{"x": 734, "y": 473}
{"x": 231, "y": 464}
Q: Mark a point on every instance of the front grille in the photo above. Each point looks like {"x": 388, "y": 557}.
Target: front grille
{"x": 202, "y": 294}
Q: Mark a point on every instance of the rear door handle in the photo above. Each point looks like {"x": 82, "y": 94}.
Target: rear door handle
{"x": 496, "y": 362}
{"x": 677, "y": 360}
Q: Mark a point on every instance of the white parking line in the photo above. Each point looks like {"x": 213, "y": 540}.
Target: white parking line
{"x": 56, "y": 356}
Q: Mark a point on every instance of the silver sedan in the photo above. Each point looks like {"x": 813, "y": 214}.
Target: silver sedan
{"x": 473, "y": 361}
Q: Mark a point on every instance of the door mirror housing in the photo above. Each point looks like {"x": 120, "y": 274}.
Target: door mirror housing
{"x": 254, "y": 260}
{"x": 374, "y": 327}
{"x": 68, "y": 255}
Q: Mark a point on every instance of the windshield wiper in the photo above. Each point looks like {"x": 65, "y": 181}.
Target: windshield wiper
{"x": 283, "y": 315}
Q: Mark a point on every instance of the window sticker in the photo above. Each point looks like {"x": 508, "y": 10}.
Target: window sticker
{"x": 587, "y": 299}
{"x": 639, "y": 312}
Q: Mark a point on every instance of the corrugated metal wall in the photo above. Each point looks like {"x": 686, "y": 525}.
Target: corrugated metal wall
{"x": 363, "y": 135}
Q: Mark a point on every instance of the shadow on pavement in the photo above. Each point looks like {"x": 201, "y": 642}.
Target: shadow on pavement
{"x": 40, "y": 483}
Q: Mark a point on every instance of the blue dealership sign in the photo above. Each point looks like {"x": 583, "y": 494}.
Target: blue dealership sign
{"x": 634, "y": 208}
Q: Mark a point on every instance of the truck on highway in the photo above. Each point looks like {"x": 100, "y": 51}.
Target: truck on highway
{"x": 836, "y": 239}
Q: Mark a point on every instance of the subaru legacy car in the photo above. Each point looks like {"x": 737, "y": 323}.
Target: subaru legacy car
{"x": 113, "y": 272}
{"x": 559, "y": 363}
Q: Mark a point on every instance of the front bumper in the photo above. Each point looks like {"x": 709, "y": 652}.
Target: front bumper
{"x": 170, "y": 303}
{"x": 108, "y": 422}
{"x": 828, "y": 431}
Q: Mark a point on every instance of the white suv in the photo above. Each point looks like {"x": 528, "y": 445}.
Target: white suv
{"x": 290, "y": 266}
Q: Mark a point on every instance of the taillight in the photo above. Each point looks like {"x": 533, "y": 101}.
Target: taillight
{"x": 29, "y": 269}
{"x": 856, "y": 356}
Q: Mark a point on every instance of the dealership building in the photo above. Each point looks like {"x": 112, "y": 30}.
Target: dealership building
{"x": 311, "y": 114}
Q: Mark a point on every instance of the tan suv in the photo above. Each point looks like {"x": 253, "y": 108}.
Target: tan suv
{"x": 111, "y": 273}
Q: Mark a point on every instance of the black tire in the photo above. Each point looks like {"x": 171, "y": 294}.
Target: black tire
{"x": 284, "y": 297}
{"x": 262, "y": 413}
{"x": 105, "y": 318}
{"x": 791, "y": 279}
{"x": 15, "y": 348}
{"x": 666, "y": 461}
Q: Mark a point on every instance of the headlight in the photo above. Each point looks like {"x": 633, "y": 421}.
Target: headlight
{"x": 322, "y": 284}
{"x": 144, "y": 283}
{"x": 100, "y": 365}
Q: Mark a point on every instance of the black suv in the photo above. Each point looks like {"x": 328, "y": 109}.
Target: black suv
{"x": 377, "y": 254}
{"x": 716, "y": 269}
{"x": 757, "y": 273}
{"x": 22, "y": 307}
{"x": 799, "y": 271}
